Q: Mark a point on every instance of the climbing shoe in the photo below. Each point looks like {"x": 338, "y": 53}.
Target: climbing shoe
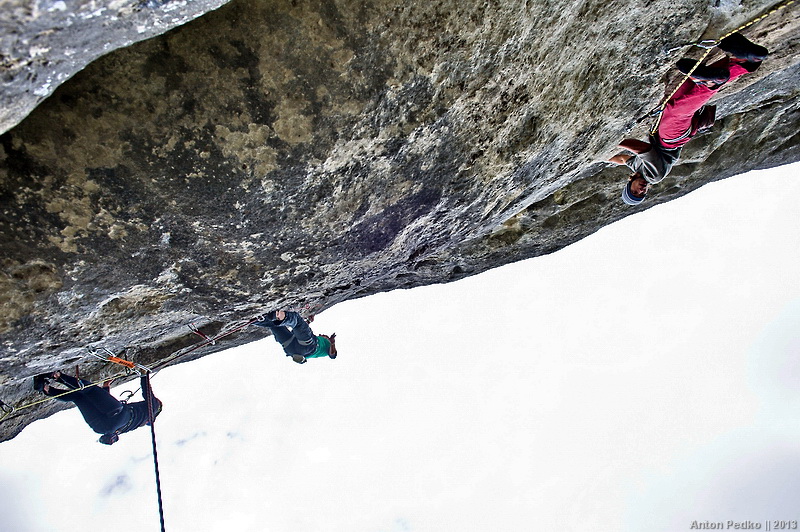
{"x": 40, "y": 380}
{"x": 703, "y": 72}
{"x": 738, "y": 47}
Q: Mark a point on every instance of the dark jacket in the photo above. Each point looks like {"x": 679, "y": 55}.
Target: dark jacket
{"x": 136, "y": 414}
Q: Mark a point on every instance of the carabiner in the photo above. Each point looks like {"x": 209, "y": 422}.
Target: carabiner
{"x": 8, "y": 409}
{"x": 706, "y": 44}
{"x": 194, "y": 329}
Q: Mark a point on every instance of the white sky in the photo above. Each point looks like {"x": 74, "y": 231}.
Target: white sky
{"x": 605, "y": 387}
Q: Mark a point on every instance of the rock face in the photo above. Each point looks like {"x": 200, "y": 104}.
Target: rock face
{"x": 301, "y": 153}
{"x": 45, "y": 42}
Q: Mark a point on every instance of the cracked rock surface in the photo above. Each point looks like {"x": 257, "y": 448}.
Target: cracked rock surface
{"x": 297, "y": 154}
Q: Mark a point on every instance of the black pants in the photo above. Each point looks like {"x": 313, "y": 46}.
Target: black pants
{"x": 101, "y": 411}
{"x": 300, "y": 340}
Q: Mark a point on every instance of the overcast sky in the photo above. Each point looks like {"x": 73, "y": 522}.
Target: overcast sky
{"x": 639, "y": 380}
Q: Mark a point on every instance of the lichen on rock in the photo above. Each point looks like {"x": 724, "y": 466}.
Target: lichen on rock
{"x": 301, "y": 153}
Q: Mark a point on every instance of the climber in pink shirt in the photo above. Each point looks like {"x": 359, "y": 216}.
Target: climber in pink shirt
{"x": 684, "y": 115}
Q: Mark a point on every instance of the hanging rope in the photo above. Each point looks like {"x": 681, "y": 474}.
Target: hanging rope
{"x": 148, "y": 394}
{"x": 149, "y": 399}
{"x": 709, "y": 46}
{"x": 110, "y": 357}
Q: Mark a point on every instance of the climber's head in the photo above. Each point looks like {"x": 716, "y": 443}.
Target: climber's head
{"x": 635, "y": 189}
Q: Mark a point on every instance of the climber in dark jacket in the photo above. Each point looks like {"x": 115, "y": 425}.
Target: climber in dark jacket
{"x": 101, "y": 411}
{"x": 300, "y": 342}
{"x": 684, "y": 115}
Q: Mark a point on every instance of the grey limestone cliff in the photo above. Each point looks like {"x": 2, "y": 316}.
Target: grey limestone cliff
{"x": 45, "y": 42}
{"x": 301, "y": 153}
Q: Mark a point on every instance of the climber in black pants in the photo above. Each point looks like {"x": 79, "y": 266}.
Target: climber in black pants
{"x": 101, "y": 411}
{"x": 295, "y": 336}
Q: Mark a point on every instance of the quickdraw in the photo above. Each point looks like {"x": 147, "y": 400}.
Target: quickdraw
{"x": 126, "y": 396}
{"x": 198, "y": 332}
{"x": 706, "y": 44}
{"x": 207, "y": 340}
{"x": 109, "y": 356}
{"x": 8, "y": 409}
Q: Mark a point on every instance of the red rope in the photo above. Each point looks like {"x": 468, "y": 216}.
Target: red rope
{"x": 207, "y": 341}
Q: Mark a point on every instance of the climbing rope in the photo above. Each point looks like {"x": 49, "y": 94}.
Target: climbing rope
{"x": 149, "y": 400}
{"x": 148, "y": 395}
{"x": 778, "y": 7}
{"x": 129, "y": 366}
{"x": 201, "y": 334}
{"x": 146, "y": 372}
{"x": 111, "y": 357}
{"x": 709, "y": 45}
{"x": 8, "y": 409}
{"x": 212, "y": 340}
{"x": 207, "y": 340}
